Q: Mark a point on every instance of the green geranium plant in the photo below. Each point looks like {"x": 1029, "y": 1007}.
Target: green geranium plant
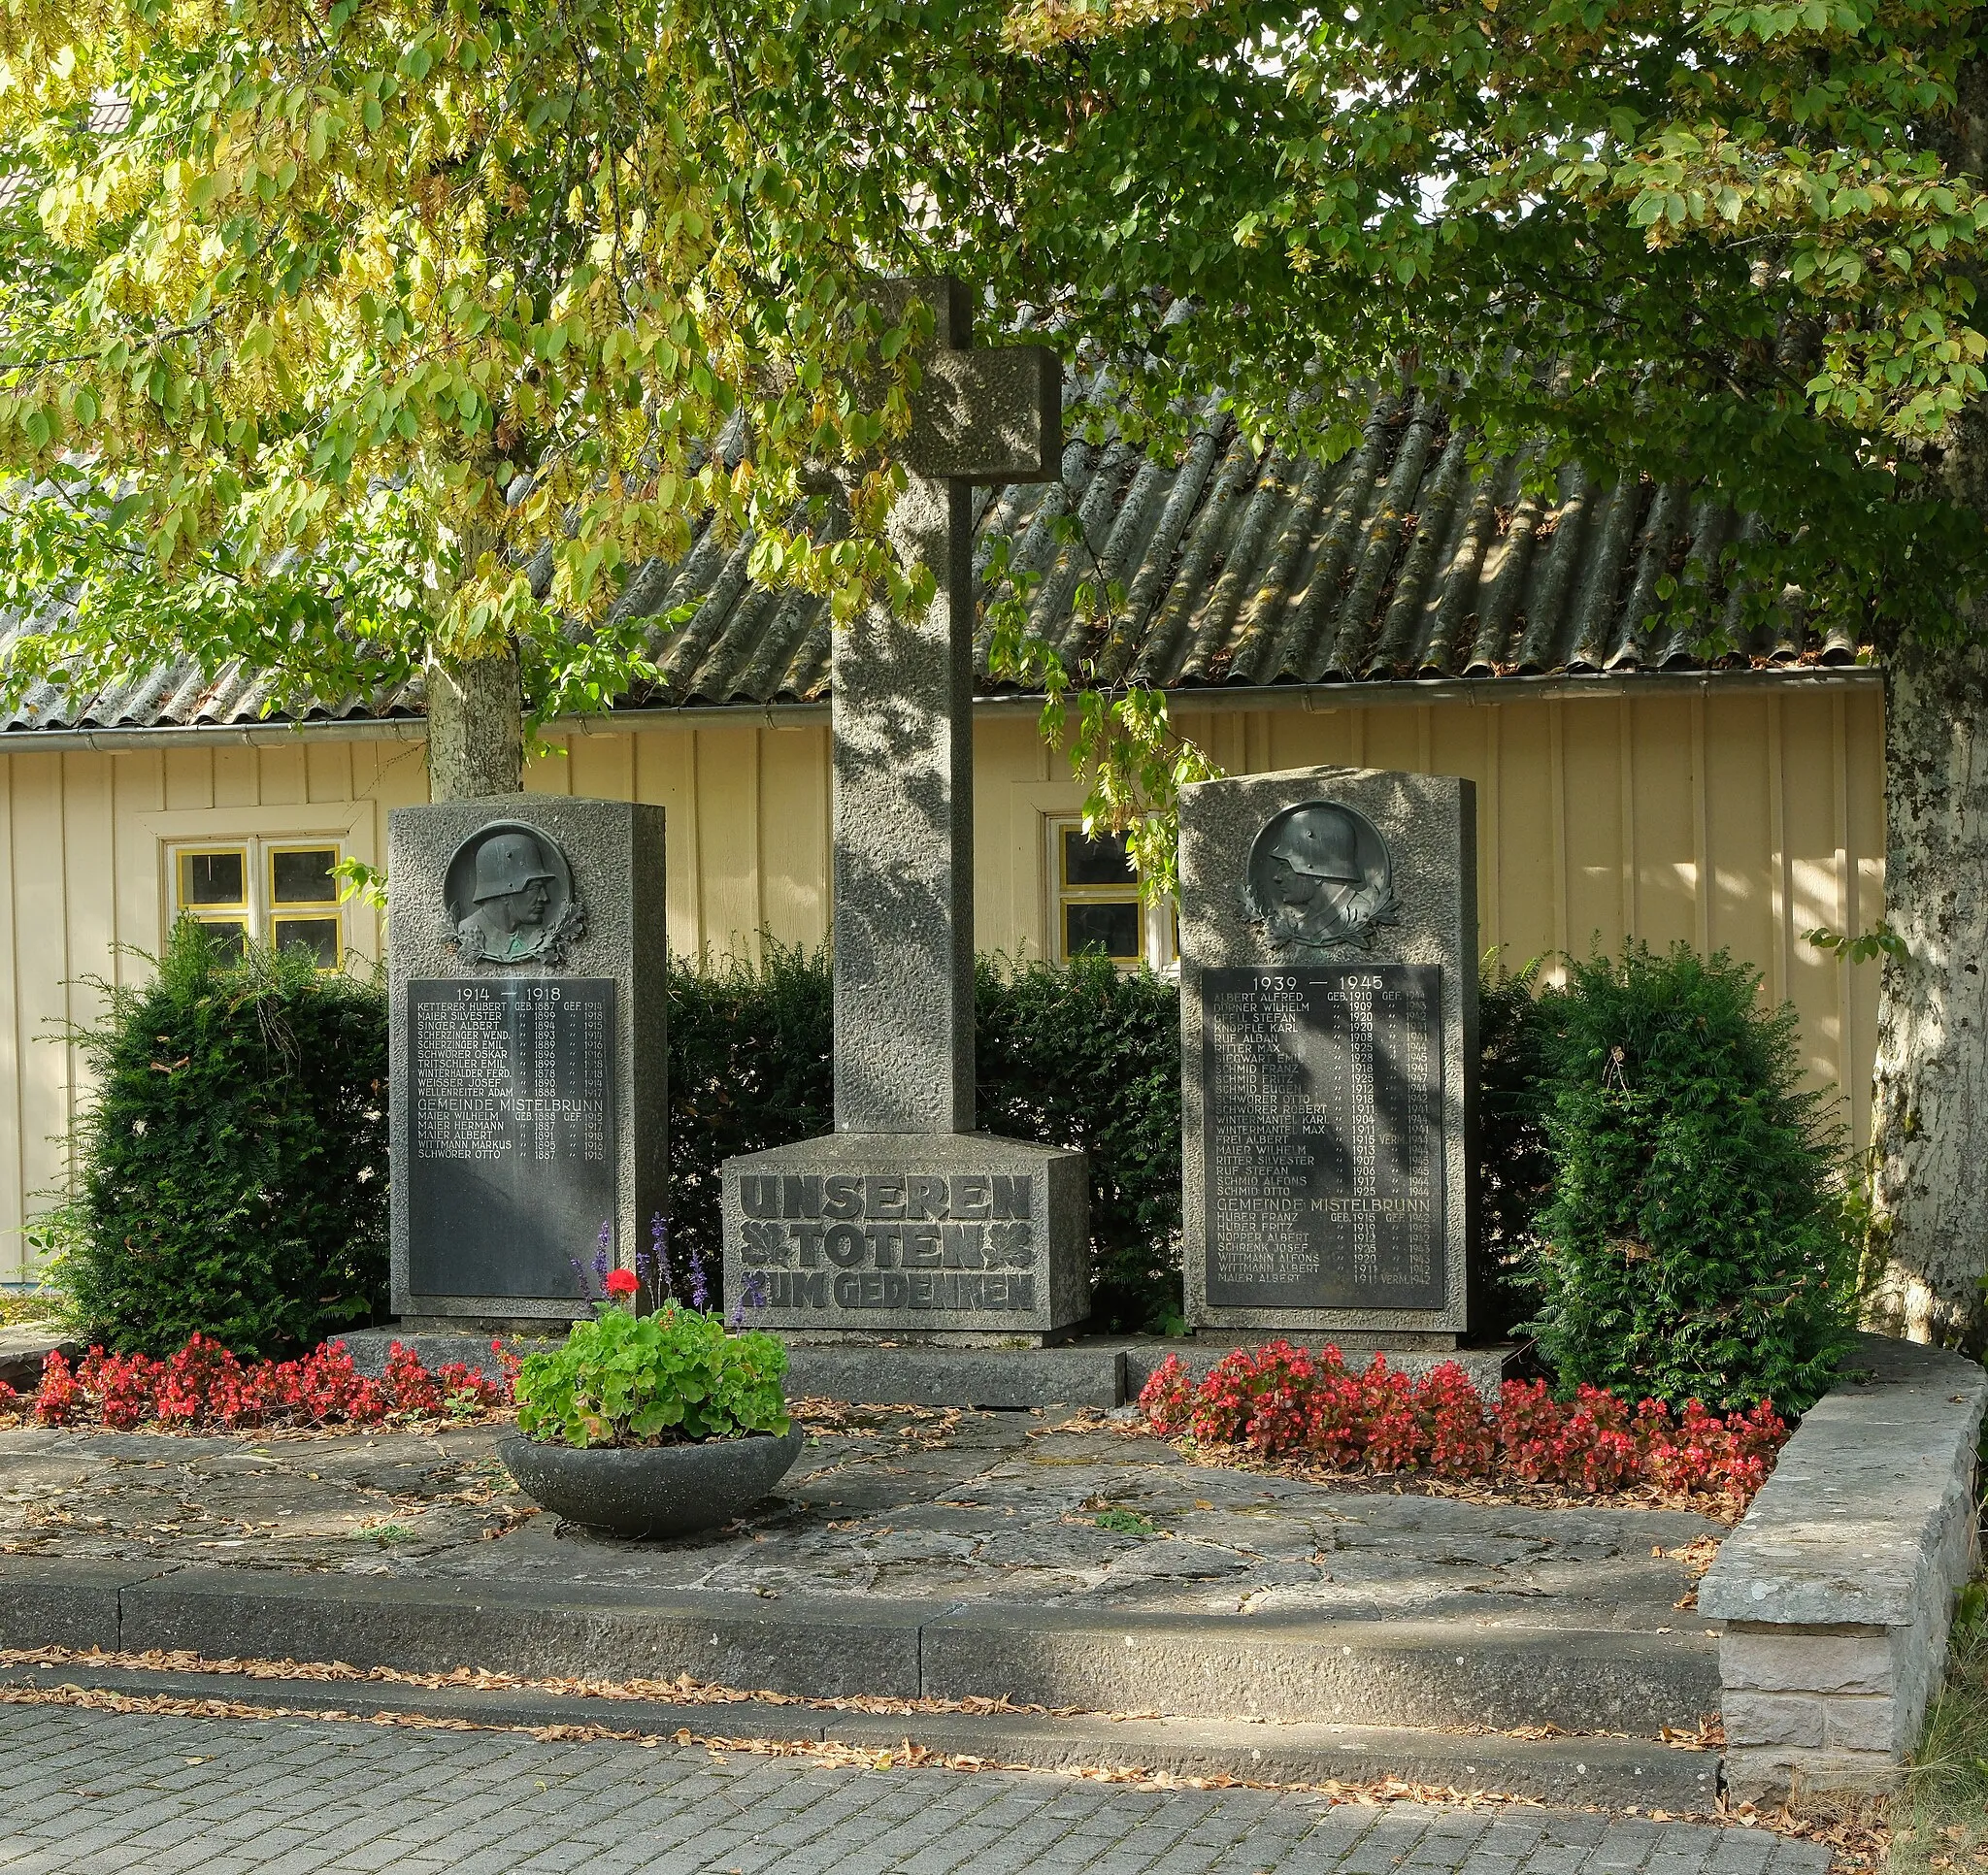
{"x": 674, "y": 1377}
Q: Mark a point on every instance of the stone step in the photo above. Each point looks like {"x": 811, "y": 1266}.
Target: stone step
{"x": 1591, "y": 1771}
{"x": 1281, "y": 1667}
{"x": 1096, "y": 1371}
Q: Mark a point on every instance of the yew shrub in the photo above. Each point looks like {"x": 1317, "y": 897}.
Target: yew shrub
{"x": 1696, "y": 1244}
{"x": 231, "y": 1171}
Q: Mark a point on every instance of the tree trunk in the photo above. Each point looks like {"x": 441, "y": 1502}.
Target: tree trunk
{"x": 476, "y": 726}
{"x": 1930, "y": 1101}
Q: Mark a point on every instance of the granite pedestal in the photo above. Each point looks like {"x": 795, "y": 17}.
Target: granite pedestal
{"x": 1329, "y": 1053}
{"x": 528, "y": 1051}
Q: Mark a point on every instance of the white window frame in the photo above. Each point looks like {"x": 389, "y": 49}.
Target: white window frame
{"x": 1158, "y": 925}
{"x": 260, "y": 912}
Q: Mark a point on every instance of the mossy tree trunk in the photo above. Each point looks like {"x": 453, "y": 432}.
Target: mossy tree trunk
{"x": 1930, "y": 1088}
{"x": 476, "y": 726}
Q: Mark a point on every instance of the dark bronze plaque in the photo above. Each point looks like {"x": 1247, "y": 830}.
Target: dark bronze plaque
{"x": 512, "y": 1144}
{"x": 1322, "y": 1136}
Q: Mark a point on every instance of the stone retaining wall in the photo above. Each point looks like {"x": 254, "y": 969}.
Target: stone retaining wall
{"x": 1838, "y": 1588}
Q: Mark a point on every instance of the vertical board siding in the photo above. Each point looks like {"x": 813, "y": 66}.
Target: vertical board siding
{"x": 1742, "y": 820}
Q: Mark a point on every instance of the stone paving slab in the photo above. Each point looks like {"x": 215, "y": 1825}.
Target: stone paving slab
{"x": 104, "y": 1794}
{"x": 1065, "y": 1563}
{"x": 935, "y": 1505}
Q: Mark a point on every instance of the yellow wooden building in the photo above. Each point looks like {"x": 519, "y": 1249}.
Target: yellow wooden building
{"x": 1407, "y": 608}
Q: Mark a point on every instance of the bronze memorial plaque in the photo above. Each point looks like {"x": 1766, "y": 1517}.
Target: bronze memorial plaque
{"x": 511, "y": 1169}
{"x": 1323, "y": 1136}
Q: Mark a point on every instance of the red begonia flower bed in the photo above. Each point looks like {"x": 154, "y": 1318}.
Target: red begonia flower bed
{"x": 205, "y": 1388}
{"x": 1280, "y": 1402}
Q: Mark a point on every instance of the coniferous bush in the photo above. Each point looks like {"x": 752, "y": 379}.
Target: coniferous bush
{"x": 1087, "y": 1056}
{"x": 1514, "y": 1163}
{"x": 231, "y": 1169}
{"x": 751, "y": 1066}
{"x": 1696, "y": 1244}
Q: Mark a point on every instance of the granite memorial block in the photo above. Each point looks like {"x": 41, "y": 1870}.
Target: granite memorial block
{"x": 936, "y": 1235}
{"x": 527, "y": 1049}
{"x": 909, "y": 1243}
{"x": 1329, "y": 1036}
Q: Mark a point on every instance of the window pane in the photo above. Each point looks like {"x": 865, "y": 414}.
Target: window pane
{"x": 213, "y": 879}
{"x": 318, "y": 935}
{"x": 1100, "y": 860}
{"x": 229, "y": 936}
{"x": 1112, "y": 928}
{"x": 303, "y": 877}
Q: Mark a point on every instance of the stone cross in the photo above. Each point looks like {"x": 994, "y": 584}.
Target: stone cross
{"x": 903, "y": 745}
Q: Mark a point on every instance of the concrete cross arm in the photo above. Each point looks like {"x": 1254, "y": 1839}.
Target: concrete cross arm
{"x": 988, "y": 416}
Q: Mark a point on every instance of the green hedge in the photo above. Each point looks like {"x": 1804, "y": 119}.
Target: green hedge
{"x": 232, "y": 1168}
{"x": 1081, "y": 1057}
{"x": 1655, "y": 1189}
{"x": 1696, "y": 1241}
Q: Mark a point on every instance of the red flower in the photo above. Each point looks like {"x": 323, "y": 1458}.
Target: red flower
{"x": 622, "y": 1282}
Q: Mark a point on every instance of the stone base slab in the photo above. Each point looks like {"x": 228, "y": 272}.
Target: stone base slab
{"x": 1094, "y": 1370}
{"x": 24, "y": 1351}
{"x": 928, "y": 1232}
{"x": 1282, "y": 1669}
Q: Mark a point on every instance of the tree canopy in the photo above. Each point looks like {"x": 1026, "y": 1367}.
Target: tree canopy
{"x": 319, "y": 320}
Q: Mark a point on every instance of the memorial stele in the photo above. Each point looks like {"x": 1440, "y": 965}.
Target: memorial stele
{"x": 904, "y": 1222}
{"x": 528, "y": 1111}
{"x": 1329, "y": 1044}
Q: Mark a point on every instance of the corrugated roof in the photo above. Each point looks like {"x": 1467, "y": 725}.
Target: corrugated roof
{"x": 1405, "y": 560}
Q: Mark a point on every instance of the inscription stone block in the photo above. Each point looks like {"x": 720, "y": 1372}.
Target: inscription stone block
{"x": 913, "y": 1235}
{"x": 1329, "y": 1023}
{"x": 528, "y": 1101}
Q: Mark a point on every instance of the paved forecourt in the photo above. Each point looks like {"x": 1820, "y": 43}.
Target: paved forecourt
{"x": 83, "y": 1792}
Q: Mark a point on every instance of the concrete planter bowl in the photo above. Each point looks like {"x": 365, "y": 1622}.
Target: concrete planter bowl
{"x": 652, "y": 1490}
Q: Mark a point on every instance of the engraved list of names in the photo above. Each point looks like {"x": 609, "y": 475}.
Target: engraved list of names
{"x": 1323, "y": 1139}
{"x": 513, "y": 1170}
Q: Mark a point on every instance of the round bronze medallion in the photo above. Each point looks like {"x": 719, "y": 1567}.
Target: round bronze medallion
{"x": 509, "y": 894}
{"x": 1319, "y": 878}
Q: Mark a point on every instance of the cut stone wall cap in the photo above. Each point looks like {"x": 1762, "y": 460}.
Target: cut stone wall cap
{"x": 1845, "y": 1535}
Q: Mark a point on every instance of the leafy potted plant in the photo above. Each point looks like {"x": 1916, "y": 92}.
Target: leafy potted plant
{"x": 651, "y": 1424}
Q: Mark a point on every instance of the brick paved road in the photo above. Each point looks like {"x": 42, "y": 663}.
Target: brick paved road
{"x": 89, "y": 1791}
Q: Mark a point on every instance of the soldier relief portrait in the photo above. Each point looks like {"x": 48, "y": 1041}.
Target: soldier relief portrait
{"x": 509, "y": 899}
{"x": 1319, "y": 880}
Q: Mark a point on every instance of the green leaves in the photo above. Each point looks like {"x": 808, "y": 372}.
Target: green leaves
{"x": 626, "y": 1379}
{"x": 1697, "y": 1244}
{"x": 232, "y": 1172}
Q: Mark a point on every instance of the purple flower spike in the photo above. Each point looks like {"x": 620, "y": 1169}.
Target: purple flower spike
{"x": 755, "y": 1289}
{"x": 603, "y": 1251}
{"x": 700, "y": 1290}
{"x": 659, "y": 1242}
{"x": 580, "y": 1270}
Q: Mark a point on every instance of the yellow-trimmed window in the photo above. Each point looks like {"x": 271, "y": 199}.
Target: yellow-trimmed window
{"x": 303, "y": 903}
{"x": 1095, "y": 904}
{"x": 280, "y": 892}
